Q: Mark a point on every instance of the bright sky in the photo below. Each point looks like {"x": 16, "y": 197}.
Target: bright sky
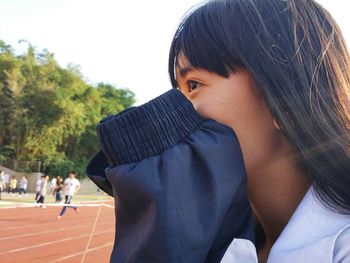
{"x": 121, "y": 42}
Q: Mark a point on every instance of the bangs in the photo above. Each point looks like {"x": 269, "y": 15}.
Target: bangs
{"x": 202, "y": 45}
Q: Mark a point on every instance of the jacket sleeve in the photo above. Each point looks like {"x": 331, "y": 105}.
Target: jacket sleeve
{"x": 178, "y": 181}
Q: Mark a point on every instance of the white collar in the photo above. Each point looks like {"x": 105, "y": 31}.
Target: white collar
{"x": 309, "y": 236}
{"x": 311, "y": 231}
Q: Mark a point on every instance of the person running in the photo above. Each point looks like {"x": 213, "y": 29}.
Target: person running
{"x": 37, "y": 190}
{"x": 23, "y": 185}
{"x": 43, "y": 185}
{"x": 71, "y": 187}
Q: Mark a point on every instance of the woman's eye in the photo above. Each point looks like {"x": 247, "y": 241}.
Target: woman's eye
{"x": 192, "y": 85}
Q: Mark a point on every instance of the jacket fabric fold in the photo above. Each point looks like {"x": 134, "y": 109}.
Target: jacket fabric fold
{"x": 178, "y": 180}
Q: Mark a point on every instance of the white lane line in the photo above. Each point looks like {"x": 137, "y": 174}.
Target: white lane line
{"x": 53, "y": 242}
{"x": 25, "y": 205}
{"x": 81, "y": 252}
{"x": 51, "y": 231}
{"x": 15, "y": 227}
{"x": 91, "y": 234}
{"x": 76, "y": 202}
{"x": 48, "y": 224}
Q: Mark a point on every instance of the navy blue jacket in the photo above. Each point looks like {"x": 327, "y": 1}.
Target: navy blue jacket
{"x": 178, "y": 180}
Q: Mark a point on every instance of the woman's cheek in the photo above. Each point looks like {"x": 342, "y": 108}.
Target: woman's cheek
{"x": 215, "y": 103}
{"x": 218, "y": 112}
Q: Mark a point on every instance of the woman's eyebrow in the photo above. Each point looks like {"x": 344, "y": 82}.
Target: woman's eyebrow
{"x": 184, "y": 71}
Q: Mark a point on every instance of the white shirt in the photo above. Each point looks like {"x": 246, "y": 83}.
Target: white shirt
{"x": 23, "y": 183}
{"x": 43, "y": 187}
{"x": 2, "y": 180}
{"x": 38, "y": 185}
{"x": 71, "y": 185}
{"x": 53, "y": 183}
{"x": 314, "y": 233}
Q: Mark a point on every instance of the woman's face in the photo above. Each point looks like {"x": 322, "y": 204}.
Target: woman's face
{"x": 236, "y": 102}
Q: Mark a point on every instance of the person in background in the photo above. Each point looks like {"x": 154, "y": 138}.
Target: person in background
{"x": 53, "y": 186}
{"x": 2, "y": 182}
{"x": 42, "y": 193}
{"x": 23, "y": 185}
{"x": 58, "y": 189}
{"x": 13, "y": 185}
{"x": 37, "y": 190}
{"x": 71, "y": 187}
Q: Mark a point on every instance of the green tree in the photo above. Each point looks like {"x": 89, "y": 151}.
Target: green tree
{"x": 49, "y": 113}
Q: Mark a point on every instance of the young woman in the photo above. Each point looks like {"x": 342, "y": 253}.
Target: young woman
{"x": 271, "y": 81}
{"x": 278, "y": 73}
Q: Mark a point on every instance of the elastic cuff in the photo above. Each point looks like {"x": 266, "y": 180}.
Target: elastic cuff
{"x": 96, "y": 172}
{"x": 147, "y": 130}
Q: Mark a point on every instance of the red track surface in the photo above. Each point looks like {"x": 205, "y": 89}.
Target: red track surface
{"x": 34, "y": 235}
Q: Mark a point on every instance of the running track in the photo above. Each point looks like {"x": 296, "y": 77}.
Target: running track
{"x": 34, "y": 235}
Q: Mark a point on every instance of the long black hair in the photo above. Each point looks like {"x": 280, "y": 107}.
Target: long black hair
{"x": 298, "y": 58}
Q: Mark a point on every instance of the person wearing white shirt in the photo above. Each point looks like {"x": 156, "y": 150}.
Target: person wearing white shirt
{"x": 53, "y": 186}
{"x": 278, "y": 74}
{"x": 71, "y": 187}
{"x": 37, "y": 190}
{"x": 42, "y": 191}
{"x": 2, "y": 182}
{"x": 23, "y": 185}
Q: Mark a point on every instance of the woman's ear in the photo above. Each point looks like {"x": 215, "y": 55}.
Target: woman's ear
{"x": 276, "y": 124}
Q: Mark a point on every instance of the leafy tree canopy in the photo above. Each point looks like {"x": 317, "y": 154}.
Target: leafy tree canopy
{"x": 49, "y": 113}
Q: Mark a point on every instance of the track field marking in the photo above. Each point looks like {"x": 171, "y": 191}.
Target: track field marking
{"x": 91, "y": 234}
{"x": 81, "y": 252}
{"x": 51, "y": 231}
{"x": 50, "y": 243}
{"x": 53, "y": 222}
{"x": 55, "y": 205}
